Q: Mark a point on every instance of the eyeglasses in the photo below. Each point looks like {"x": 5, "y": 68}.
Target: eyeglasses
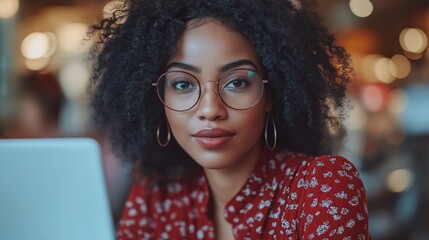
{"x": 239, "y": 89}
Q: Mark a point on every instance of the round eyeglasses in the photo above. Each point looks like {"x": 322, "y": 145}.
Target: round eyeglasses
{"x": 239, "y": 89}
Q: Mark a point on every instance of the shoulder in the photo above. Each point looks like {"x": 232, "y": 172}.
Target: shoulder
{"x": 332, "y": 175}
{"x": 332, "y": 200}
{"x": 327, "y": 174}
{"x": 319, "y": 196}
{"x": 292, "y": 164}
{"x": 332, "y": 167}
{"x": 302, "y": 166}
{"x": 327, "y": 194}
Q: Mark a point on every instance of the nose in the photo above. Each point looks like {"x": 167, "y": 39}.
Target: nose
{"x": 210, "y": 106}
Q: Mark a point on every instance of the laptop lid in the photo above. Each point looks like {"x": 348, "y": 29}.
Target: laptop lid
{"x": 53, "y": 189}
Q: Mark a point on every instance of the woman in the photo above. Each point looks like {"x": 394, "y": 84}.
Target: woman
{"x": 227, "y": 107}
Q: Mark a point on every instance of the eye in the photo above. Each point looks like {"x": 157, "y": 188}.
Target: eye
{"x": 237, "y": 83}
{"x": 182, "y": 84}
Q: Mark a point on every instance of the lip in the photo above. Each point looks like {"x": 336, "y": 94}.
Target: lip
{"x": 213, "y": 138}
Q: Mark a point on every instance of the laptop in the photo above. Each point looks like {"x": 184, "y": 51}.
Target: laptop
{"x": 53, "y": 189}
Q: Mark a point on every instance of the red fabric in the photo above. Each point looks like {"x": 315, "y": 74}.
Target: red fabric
{"x": 288, "y": 196}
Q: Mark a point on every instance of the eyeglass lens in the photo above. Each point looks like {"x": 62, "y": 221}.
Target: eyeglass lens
{"x": 238, "y": 89}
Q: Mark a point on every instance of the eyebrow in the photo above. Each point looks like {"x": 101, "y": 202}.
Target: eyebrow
{"x": 222, "y": 69}
{"x": 236, "y": 64}
{"x": 184, "y": 66}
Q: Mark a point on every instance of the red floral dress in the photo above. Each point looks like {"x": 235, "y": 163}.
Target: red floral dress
{"x": 288, "y": 196}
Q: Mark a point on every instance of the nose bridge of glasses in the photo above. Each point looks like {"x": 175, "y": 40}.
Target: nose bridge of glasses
{"x": 212, "y": 89}
{"x": 210, "y": 81}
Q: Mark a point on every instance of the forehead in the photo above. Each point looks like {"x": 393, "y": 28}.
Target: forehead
{"x": 211, "y": 44}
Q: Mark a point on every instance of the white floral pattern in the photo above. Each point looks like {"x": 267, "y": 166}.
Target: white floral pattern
{"x": 288, "y": 196}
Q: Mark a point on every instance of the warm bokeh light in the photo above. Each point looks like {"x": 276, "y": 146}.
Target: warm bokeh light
{"x": 35, "y": 45}
{"x": 413, "y": 40}
{"x": 399, "y": 66}
{"x": 361, "y": 8}
{"x": 381, "y": 70}
{"x": 399, "y": 180}
{"x": 36, "y": 64}
{"x": 110, "y": 8}
{"x": 74, "y": 79}
{"x": 115, "y": 7}
{"x": 8, "y": 8}
{"x": 71, "y": 38}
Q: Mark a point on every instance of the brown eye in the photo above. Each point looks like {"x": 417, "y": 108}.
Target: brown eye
{"x": 236, "y": 84}
{"x": 182, "y": 84}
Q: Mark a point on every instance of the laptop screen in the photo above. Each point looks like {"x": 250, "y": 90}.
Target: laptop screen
{"x": 53, "y": 189}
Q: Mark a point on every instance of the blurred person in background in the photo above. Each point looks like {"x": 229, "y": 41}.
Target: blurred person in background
{"x": 38, "y": 106}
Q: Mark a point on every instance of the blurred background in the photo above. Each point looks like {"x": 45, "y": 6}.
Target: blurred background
{"x": 44, "y": 75}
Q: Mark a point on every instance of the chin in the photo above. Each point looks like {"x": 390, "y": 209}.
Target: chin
{"x": 212, "y": 160}
{"x": 214, "y": 165}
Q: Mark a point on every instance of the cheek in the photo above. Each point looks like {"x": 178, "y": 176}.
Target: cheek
{"x": 178, "y": 123}
{"x": 252, "y": 121}
{"x": 252, "y": 124}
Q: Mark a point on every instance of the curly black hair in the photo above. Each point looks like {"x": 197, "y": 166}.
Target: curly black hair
{"x": 308, "y": 73}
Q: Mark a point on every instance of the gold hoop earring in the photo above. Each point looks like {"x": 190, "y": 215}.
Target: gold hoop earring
{"x": 268, "y": 116}
{"x": 168, "y": 134}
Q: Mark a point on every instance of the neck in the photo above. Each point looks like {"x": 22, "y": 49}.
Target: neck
{"x": 225, "y": 183}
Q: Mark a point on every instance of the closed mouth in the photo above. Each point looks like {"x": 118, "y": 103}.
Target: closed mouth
{"x": 213, "y": 138}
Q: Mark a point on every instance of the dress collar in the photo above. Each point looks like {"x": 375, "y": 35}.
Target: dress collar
{"x": 242, "y": 202}
{"x": 239, "y": 204}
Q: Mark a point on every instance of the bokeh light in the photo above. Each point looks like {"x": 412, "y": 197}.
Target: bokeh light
{"x": 399, "y": 180}
{"x": 413, "y": 40}
{"x": 35, "y": 45}
{"x": 361, "y": 8}
{"x": 399, "y": 66}
{"x": 381, "y": 70}
{"x": 8, "y": 8}
{"x": 111, "y": 7}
